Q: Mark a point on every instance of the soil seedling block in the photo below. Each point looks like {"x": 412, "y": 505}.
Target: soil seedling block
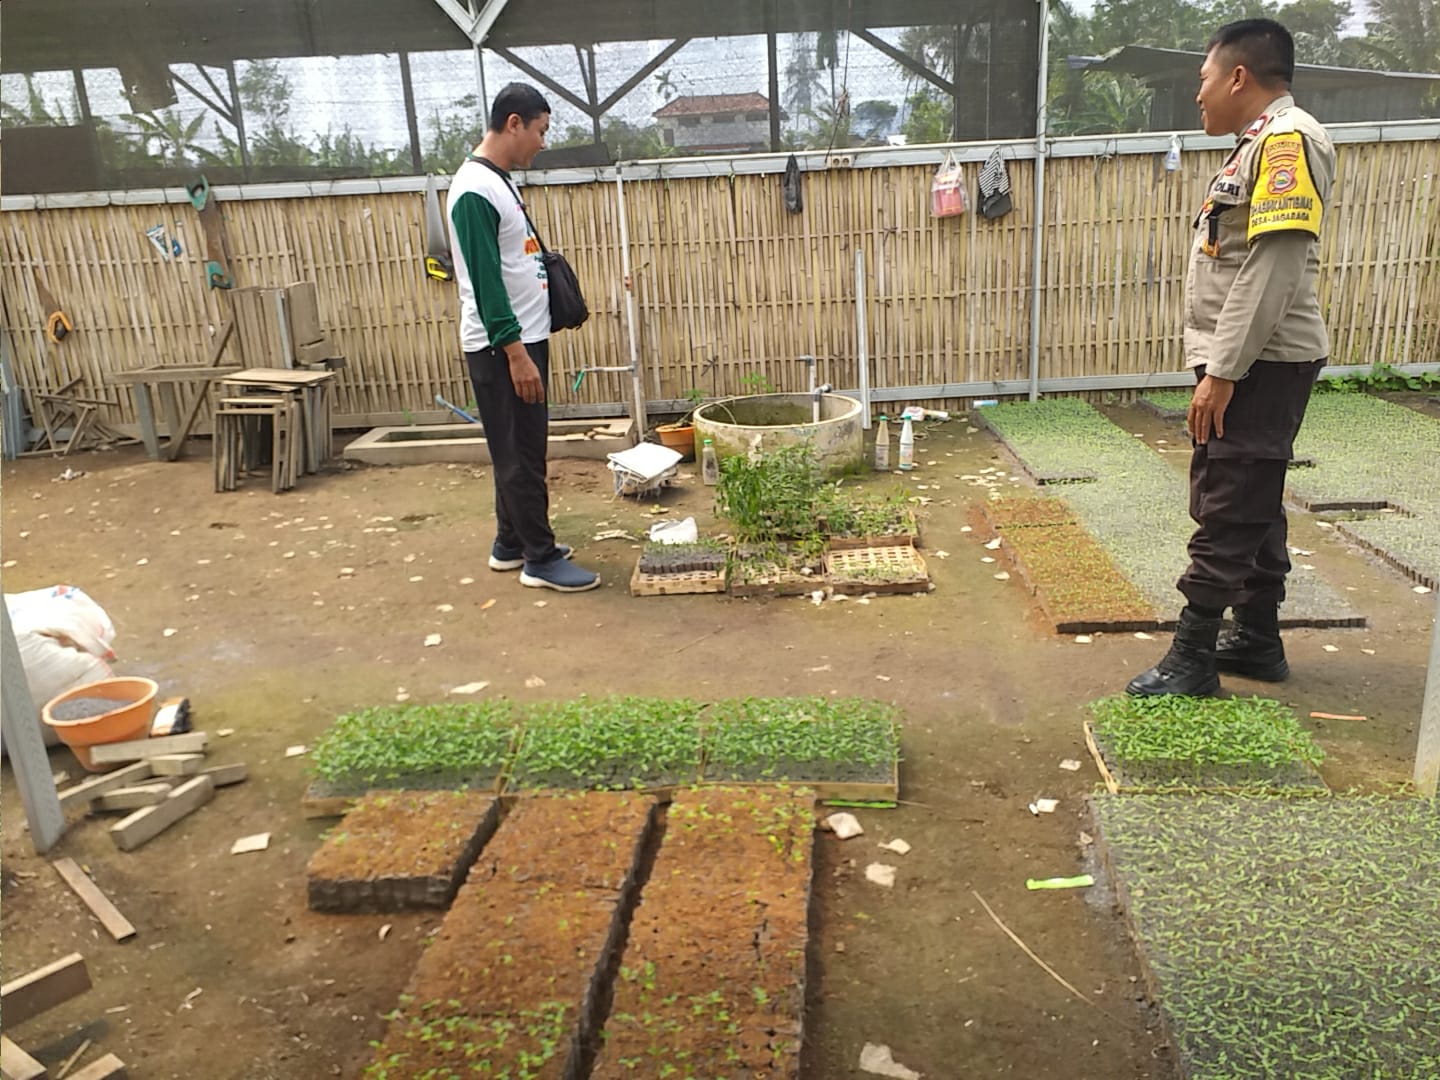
{"x": 1284, "y": 937}
{"x": 515, "y": 977}
{"x": 1170, "y": 742}
{"x": 608, "y": 743}
{"x": 711, "y": 983}
{"x": 420, "y": 747}
{"x": 777, "y": 569}
{"x": 1077, "y": 585}
{"x": 1024, "y": 511}
{"x": 846, "y": 748}
{"x": 399, "y": 850}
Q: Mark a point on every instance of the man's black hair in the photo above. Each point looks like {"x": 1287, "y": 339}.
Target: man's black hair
{"x": 1262, "y": 46}
{"x": 519, "y": 99}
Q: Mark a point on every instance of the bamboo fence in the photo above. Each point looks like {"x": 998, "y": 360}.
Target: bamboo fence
{"x": 732, "y": 289}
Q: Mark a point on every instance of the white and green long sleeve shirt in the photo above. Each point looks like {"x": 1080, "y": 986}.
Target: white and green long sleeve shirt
{"x": 503, "y": 288}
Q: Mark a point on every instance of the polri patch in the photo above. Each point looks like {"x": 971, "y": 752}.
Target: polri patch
{"x": 1284, "y": 197}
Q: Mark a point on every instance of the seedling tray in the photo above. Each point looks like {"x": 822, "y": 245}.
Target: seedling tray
{"x": 1159, "y": 777}
{"x": 887, "y": 568}
{"x": 1282, "y": 936}
{"x": 687, "y": 582}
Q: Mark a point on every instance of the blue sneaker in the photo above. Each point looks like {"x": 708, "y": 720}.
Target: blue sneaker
{"x": 503, "y": 558}
{"x": 558, "y": 574}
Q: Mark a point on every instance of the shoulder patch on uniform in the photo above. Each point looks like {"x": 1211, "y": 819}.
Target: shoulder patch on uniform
{"x": 1284, "y": 197}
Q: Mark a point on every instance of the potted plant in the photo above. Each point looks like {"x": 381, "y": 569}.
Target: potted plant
{"x": 680, "y": 434}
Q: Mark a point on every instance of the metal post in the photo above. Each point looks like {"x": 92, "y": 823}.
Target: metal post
{"x": 480, "y": 86}
{"x": 638, "y": 408}
{"x": 412, "y": 122}
{"x": 862, "y": 337}
{"x": 1427, "y": 752}
{"x": 1042, "y": 150}
{"x": 25, "y": 744}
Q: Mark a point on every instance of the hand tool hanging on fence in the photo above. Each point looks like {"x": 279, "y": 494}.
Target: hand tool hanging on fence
{"x": 438, "y": 263}
{"x": 217, "y": 250}
{"x": 57, "y": 323}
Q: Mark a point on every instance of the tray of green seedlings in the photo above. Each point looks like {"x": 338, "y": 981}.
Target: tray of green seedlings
{"x": 1027, "y": 511}
{"x": 1167, "y": 404}
{"x": 1173, "y": 742}
{"x": 845, "y": 748}
{"x": 412, "y": 747}
{"x": 672, "y": 569}
{"x": 1378, "y": 460}
{"x": 879, "y": 566}
{"x": 777, "y": 567}
{"x": 608, "y": 743}
{"x": 1136, "y": 504}
{"x": 854, "y": 519}
{"x": 1284, "y": 937}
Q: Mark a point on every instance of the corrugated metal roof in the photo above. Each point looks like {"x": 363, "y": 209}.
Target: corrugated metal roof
{"x": 714, "y": 105}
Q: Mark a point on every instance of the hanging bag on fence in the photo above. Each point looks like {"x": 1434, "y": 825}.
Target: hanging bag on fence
{"x": 568, "y": 309}
{"x": 948, "y": 197}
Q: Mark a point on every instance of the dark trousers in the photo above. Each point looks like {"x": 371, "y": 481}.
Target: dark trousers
{"x": 1238, "y": 554}
{"x": 517, "y": 435}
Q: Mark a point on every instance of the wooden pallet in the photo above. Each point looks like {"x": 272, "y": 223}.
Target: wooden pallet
{"x": 885, "y": 569}
{"x": 690, "y": 581}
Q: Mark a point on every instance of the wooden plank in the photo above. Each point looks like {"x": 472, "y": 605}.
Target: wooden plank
{"x": 1111, "y": 784}
{"x": 695, "y": 581}
{"x": 16, "y": 1064}
{"x": 150, "y": 822}
{"x": 177, "y": 439}
{"x": 87, "y": 792}
{"x": 43, "y": 988}
{"x": 108, "y": 1067}
{"x": 131, "y": 798}
{"x": 112, "y": 753}
{"x": 176, "y": 764}
{"x": 171, "y": 373}
{"x": 109, "y": 915}
{"x": 224, "y": 775}
{"x": 25, "y": 744}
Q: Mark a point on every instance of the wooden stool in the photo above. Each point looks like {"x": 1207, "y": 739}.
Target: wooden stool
{"x": 243, "y": 428}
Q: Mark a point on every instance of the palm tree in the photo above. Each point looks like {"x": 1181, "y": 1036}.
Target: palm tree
{"x": 174, "y": 134}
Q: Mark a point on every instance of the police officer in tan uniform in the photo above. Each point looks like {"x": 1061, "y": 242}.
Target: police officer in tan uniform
{"x": 1256, "y": 338}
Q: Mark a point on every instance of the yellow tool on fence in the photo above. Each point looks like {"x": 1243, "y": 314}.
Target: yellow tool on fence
{"x": 57, "y": 324}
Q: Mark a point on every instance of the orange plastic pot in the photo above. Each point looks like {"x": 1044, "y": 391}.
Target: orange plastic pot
{"x": 131, "y": 718}
{"x": 678, "y": 437}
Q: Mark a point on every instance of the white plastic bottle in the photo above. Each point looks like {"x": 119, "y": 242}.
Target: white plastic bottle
{"x": 882, "y": 445}
{"x": 709, "y": 464}
{"x": 907, "y": 446}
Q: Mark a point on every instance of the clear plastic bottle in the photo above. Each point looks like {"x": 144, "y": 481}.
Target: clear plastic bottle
{"x": 709, "y": 463}
{"x": 907, "y": 445}
{"x": 882, "y": 445}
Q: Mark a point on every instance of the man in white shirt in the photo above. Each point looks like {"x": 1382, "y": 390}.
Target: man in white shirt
{"x": 505, "y": 332}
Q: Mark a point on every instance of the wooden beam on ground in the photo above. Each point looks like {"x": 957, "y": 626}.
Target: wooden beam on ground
{"x": 224, "y": 775}
{"x": 98, "y": 903}
{"x": 150, "y": 822}
{"x": 176, "y": 764}
{"x": 25, "y": 743}
{"x": 83, "y": 794}
{"x": 43, "y": 988}
{"x": 108, "y": 1067}
{"x": 136, "y": 749}
{"x": 1427, "y": 752}
{"x": 16, "y": 1064}
{"x": 132, "y": 798}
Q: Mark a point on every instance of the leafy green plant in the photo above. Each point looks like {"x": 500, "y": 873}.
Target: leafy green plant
{"x": 609, "y": 743}
{"x": 773, "y": 497}
{"x": 1380, "y": 377}
{"x": 757, "y": 382}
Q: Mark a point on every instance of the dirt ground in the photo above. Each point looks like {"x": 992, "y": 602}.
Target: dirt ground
{"x": 230, "y": 976}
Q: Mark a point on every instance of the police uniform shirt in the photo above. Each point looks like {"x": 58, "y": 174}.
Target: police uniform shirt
{"x": 1250, "y": 288}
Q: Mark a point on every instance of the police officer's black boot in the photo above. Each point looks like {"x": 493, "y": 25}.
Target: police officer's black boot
{"x": 1189, "y": 667}
{"x": 1253, "y": 648}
